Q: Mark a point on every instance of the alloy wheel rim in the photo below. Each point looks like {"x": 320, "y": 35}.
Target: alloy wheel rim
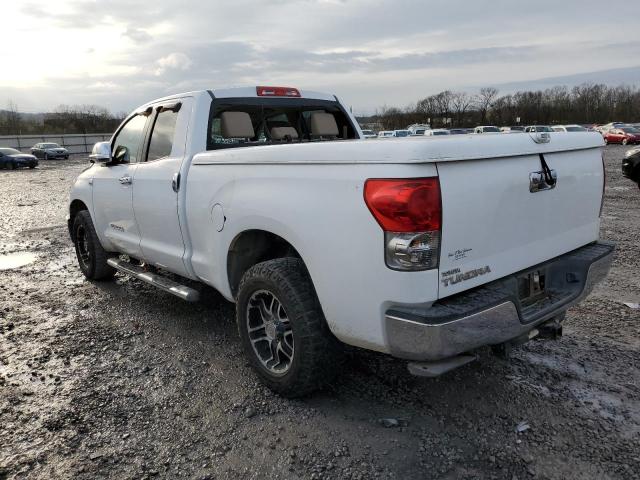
{"x": 270, "y": 332}
{"x": 82, "y": 243}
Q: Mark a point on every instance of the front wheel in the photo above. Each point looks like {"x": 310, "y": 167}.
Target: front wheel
{"x": 92, "y": 258}
{"x": 283, "y": 330}
{"x": 625, "y": 141}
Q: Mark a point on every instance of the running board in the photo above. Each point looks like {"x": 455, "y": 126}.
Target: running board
{"x": 159, "y": 281}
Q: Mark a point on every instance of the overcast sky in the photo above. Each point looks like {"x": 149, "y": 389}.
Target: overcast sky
{"x": 122, "y": 53}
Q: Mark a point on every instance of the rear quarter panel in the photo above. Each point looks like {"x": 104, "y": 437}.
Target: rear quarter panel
{"x": 320, "y": 210}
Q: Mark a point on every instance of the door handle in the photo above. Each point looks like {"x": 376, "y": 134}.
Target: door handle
{"x": 126, "y": 180}
{"x": 175, "y": 182}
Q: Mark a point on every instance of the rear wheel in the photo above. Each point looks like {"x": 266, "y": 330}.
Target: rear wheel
{"x": 92, "y": 258}
{"x": 11, "y": 166}
{"x": 32, "y": 166}
{"x": 283, "y": 330}
{"x": 625, "y": 141}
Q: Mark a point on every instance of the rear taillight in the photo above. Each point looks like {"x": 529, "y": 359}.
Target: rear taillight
{"x": 410, "y": 213}
{"x": 277, "y": 92}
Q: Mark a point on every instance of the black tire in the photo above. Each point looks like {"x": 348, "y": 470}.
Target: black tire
{"x": 625, "y": 141}
{"x": 32, "y": 166}
{"x": 92, "y": 258}
{"x": 12, "y": 166}
{"x": 316, "y": 353}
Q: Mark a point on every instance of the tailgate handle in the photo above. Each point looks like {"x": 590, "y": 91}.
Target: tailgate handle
{"x": 545, "y": 179}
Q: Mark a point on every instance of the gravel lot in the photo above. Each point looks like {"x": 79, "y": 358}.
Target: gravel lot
{"x": 119, "y": 380}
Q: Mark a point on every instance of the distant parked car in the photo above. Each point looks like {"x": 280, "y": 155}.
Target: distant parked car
{"x": 486, "y": 129}
{"x": 623, "y": 135}
{"x": 631, "y": 165}
{"x": 11, "y": 158}
{"x": 512, "y": 129}
{"x": 610, "y": 126}
{"x": 538, "y": 128}
{"x": 437, "y": 132}
{"x": 401, "y": 133}
{"x": 418, "y": 128}
{"x": 385, "y": 134}
{"x": 569, "y": 128}
{"x": 369, "y": 134}
{"x": 458, "y": 131}
{"x": 418, "y": 132}
{"x": 49, "y": 151}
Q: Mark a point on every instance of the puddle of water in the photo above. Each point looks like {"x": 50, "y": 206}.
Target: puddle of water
{"x": 16, "y": 260}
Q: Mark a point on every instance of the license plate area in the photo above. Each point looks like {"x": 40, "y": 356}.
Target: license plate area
{"x": 532, "y": 286}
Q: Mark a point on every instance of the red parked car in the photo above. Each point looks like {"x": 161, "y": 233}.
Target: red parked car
{"x": 623, "y": 135}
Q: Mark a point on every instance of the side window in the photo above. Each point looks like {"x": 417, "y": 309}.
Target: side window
{"x": 161, "y": 140}
{"x": 126, "y": 145}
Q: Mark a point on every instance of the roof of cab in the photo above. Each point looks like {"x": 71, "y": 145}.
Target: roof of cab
{"x": 240, "y": 92}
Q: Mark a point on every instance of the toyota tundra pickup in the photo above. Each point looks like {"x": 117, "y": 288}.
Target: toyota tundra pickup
{"x": 423, "y": 248}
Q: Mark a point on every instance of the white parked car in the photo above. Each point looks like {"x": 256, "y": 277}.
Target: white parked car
{"x": 386, "y": 134}
{"x": 401, "y": 133}
{"x": 437, "y": 132}
{"x": 418, "y": 128}
{"x": 569, "y": 128}
{"x": 369, "y": 134}
{"x": 321, "y": 241}
{"x": 486, "y": 129}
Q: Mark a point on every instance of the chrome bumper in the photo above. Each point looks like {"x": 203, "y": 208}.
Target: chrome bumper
{"x": 492, "y": 314}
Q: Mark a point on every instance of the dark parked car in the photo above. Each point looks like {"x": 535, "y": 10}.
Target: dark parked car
{"x": 49, "y": 151}
{"x": 458, "y": 131}
{"x": 11, "y": 158}
{"x": 631, "y": 165}
{"x": 623, "y": 135}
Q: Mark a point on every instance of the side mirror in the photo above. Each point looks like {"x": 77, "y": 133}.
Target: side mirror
{"x": 101, "y": 152}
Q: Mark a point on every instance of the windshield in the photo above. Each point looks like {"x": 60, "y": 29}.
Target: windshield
{"x": 50, "y": 145}
{"x": 10, "y": 151}
{"x": 420, "y": 131}
{"x": 630, "y": 130}
{"x": 244, "y": 122}
{"x": 576, "y": 129}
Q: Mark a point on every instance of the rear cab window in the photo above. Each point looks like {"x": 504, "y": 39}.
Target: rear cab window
{"x": 241, "y": 122}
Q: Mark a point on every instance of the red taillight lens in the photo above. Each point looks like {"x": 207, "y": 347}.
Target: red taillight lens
{"x": 277, "y": 92}
{"x": 405, "y": 205}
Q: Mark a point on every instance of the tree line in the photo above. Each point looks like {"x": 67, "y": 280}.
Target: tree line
{"x": 582, "y": 104}
{"x": 64, "y": 119}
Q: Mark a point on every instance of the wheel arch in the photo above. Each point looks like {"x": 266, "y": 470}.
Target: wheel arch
{"x": 253, "y": 246}
{"x": 75, "y": 207}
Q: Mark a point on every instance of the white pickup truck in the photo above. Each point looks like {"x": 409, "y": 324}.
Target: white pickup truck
{"x": 424, "y": 248}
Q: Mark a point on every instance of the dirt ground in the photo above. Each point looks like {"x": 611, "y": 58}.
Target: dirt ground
{"x": 119, "y": 380}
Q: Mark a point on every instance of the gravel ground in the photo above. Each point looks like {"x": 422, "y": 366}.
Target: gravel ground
{"x": 119, "y": 380}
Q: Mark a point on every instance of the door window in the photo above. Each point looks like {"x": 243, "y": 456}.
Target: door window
{"x": 161, "y": 140}
{"x": 126, "y": 145}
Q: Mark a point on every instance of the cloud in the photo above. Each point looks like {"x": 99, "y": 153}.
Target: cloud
{"x": 137, "y": 35}
{"x": 370, "y": 52}
{"x": 173, "y": 61}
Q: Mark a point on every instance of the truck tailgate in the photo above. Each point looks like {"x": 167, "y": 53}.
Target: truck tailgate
{"x": 493, "y": 225}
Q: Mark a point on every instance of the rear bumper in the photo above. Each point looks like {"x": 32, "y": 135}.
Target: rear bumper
{"x": 493, "y": 314}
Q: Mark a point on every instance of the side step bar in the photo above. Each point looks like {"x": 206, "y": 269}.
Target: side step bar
{"x": 159, "y": 281}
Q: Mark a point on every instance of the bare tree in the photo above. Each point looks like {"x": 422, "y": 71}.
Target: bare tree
{"x": 460, "y": 102}
{"x": 13, "y": 118}
{"x": 484, "y": 100}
